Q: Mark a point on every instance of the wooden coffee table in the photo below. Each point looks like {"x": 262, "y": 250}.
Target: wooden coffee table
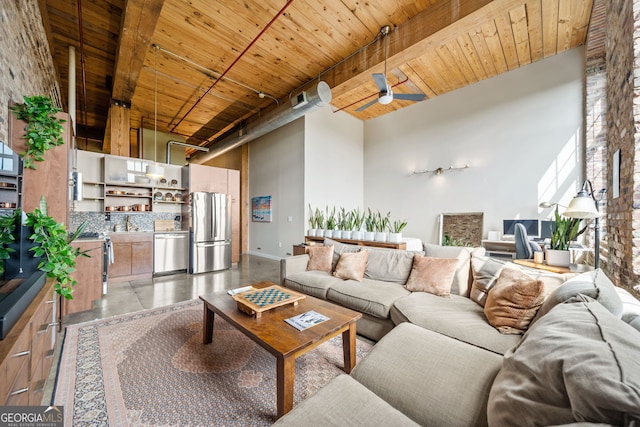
{"x": 285, "y": 342}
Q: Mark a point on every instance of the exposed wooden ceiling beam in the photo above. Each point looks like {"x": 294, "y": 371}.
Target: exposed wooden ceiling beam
{"x": 139, "y": 19}
{"x": 433, "y": 27}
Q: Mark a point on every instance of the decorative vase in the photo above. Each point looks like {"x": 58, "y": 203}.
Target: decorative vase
{"x": 311, "y": 232}
{"x": 328, "y": 233}
{"x": 346, "y": 234}
{"x": 380, "y": 236}
{"x": 357, "y": 235}
{"x": 558, "y": 258}
{"x": 395, "y": 237}
{"x": 369, "y": 236}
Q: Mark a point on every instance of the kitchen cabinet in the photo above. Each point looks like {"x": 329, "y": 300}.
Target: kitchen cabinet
{"x": 88, "y": 276}
{"x": 133, "y": 256}
{"x": 26, "y": 353}
{"x": 118, "y": 184}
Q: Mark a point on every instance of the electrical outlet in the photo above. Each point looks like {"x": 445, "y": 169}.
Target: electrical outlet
{"x": 107, "y": 216}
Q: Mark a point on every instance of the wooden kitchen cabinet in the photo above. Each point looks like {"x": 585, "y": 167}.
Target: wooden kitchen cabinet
{"x": 26, "y": 353}
{"x": 133, "y": 257}
{"x": 88, "y": 276}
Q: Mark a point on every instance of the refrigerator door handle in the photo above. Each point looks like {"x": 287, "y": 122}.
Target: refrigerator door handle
{"x": 208, "y": 245}
{"x": 215, "y": 215}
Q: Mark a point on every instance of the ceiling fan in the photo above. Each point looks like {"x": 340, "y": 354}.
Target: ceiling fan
{"x": 385, "y": 94}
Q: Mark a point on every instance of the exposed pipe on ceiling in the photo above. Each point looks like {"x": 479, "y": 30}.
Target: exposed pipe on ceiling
{"x": 235, "y": 61}
{"x": 306, "y": 102}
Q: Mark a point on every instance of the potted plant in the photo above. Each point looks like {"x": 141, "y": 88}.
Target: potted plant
{"x": 382, "y": 224}
{"x": 330, "y": 222}
{"x": 43, "y": 130}
{"x": 7, "y": 228}
{"x": 357, "y": 223}
{"x": 344, "y": 224}
{"x": 369, "y": 226}
{"x": 395, "y": 231}
{"x": 313, "y": 222}
{"x": 566, "y": 231}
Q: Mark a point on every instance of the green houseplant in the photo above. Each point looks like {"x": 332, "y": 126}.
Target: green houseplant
{"x": 43, "y": 130}
{"x": 53, "y": 244}
{"x": 7, "y": 228}
{"x": 566, "y": 231}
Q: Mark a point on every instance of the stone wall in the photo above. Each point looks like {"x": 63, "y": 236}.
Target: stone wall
{"x": 26, "y": 66}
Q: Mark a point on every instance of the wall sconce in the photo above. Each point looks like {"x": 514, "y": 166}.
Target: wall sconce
{"x": 439, "y": 171}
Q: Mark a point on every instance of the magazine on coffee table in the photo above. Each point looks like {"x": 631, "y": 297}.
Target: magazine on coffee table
{"x": 306, "y": 320}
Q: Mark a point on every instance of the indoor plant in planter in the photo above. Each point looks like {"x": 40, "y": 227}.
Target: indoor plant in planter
{"x": 567, "y": 230}
{"x": 43, "y": 130}
{"x": 357, "y": 223}
{"x": 369, "y": 226}
{"x": 330, "y": 222}
{"x": 313, "y": 222}
{"x": 395, "y": 231}
{"x": 382, "y": 225}
{"x": 53, "y": 245}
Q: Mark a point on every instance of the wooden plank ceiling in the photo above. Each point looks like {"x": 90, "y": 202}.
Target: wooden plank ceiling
{"x": 435, "y": 46}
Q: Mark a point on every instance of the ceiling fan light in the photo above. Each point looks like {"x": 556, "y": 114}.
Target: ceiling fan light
{"x": 385, "y": 98}
{"x": 154, "y": 171}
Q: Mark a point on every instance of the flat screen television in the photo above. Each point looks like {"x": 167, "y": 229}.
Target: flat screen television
{"x": 532, "y": 226}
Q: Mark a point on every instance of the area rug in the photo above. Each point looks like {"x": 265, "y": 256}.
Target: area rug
{"x": 150, "y": 368}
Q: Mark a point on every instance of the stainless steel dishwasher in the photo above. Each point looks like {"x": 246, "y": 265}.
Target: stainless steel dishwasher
{"x": 170, "y": 252}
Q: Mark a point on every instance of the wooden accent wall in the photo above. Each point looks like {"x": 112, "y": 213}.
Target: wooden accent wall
{"x": 51, "y": 177}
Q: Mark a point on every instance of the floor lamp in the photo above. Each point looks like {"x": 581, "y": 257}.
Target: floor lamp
{"x": 586, "y": 205}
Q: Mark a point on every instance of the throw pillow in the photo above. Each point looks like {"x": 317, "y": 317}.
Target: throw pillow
{"x": 351, "y": 265}
{"x": 320, "y": 258}
{"x": 578, "y": 363}
{"x": 630, "y": 308}
{"x": 432, "y": 275}
{"x": 460, "y": 284}
{"x": 594, "y": 284}
{"x": 340, "y": 248}
{"x": 485, "y": 272}
{"x": 513, "y": 301}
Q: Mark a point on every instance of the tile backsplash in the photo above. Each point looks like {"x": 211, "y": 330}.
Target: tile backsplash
{"x": 97, "y": 222}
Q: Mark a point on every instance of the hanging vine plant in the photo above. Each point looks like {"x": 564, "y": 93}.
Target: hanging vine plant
{"x": 43, "y": 130}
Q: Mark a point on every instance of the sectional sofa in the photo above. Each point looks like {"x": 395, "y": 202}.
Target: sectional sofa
{"x": 574, "y": 356}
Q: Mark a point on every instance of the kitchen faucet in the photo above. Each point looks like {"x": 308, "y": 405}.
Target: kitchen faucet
{"x": 127, "y": 222}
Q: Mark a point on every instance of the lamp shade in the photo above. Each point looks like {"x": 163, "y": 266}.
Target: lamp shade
{"x": 582, "y": 206}
{"x": 154, "y": 171}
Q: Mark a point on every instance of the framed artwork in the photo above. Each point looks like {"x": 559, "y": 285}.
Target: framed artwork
{"x": 261, "y": 209}
{"x": 615, "y": 174}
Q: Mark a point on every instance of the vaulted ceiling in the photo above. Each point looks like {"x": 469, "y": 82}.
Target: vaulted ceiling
{"x": 206, "y": 66}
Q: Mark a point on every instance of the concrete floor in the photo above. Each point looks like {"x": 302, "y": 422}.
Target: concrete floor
{"x": 129, "y": 297}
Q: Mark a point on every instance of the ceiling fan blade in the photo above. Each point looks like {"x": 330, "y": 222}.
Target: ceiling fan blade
{"x": 381, "y": 81}
{"x": 409, "y": 96}
{"x": 367, "y": 105}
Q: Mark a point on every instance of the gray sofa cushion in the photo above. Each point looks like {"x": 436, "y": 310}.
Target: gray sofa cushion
{"x": 314, "y": 283}
{"x": 457, "y": 317}
{"x": 431, "y": 378}
{"x": 594, "y": 284}
{"x": 577, "y": 363}
{"x": 344, "y": 402}
{"x": 630, "y": 308}
{"x": 389, "y": 265}
{"x": 369, "y": 296}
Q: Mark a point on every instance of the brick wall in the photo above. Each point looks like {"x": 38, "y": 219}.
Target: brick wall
{"x": 621, "y": 79}
{"x": 26, "y": 67}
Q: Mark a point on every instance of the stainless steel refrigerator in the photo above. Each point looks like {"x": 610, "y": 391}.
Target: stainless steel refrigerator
{"x": 209, "y": 232}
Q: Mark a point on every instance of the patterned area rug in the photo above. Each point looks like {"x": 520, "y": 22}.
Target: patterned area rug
{"x": 150, "y": 368}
